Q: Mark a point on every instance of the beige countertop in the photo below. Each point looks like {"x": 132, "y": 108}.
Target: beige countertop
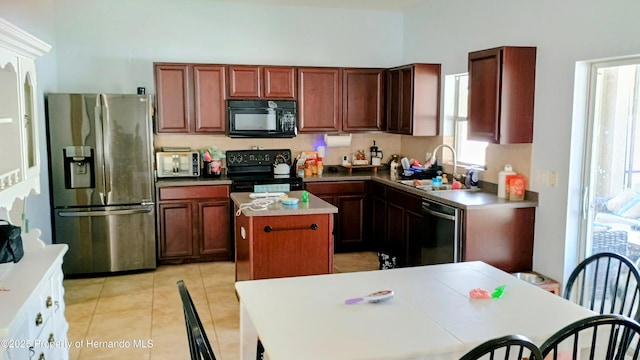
{"x": 277, "y": 208}
{"x": 485, "y": 197}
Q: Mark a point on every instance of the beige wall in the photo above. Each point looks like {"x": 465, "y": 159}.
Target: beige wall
{"x": 413, "y": 147}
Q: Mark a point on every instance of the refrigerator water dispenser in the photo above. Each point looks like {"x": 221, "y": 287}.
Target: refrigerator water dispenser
{"x": 78, "y": 169}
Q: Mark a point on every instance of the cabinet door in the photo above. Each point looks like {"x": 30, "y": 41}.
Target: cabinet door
{"x": 379, "y": 223}
{"x": 279, "y": 82}
{"x": 362, "y": 99}
{"x": 395, "y": 239}
{"x": 393, "y": 101}
{"x": 413, "y": 231}
{"x": 175, "y": 229}
{"x": 214, "y": 229}
{"x": 244, "y": 81}
{"x": 319, "y": 99}
{"x": 291, "y": 247}
{"x": 484, "y": 95}
{"x": 406, "y": 100}
{"x": 209, "y": 99}
{"x": 172, "y": 91}
{"x": 500, "y": 237}
{"x": 501, "y": 94}
{"x": 350, "y": 224}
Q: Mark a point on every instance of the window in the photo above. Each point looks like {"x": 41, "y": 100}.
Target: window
{"x": 469, "y": 152}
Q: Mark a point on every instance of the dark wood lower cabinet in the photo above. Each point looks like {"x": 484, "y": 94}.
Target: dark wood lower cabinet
{"x": 502, "y": 237}
{"x": 294, "y": 249}
{"x": 194, "y": 224}
{"x": 351, "y": 231}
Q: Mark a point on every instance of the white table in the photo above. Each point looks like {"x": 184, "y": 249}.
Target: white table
{"x": 430, "y": 317}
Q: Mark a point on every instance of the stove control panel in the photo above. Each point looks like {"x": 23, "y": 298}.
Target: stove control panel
{"x": 256, "y": 157}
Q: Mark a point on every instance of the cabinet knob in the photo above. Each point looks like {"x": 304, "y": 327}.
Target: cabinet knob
{"x": 41, "y": 357}
{"x": 49, "y": 302}
{"x": 39, "y": 319}
{"x": 52, "y": 338}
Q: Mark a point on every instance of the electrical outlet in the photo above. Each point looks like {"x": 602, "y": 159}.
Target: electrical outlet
{"x": 552, "y": 179}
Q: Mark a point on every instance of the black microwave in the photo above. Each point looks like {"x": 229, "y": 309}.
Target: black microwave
{"x": 262, "y": 118}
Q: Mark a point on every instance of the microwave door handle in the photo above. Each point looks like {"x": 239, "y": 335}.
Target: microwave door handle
{"x": 176, "y": 164}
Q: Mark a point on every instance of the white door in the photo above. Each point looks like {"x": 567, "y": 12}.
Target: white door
{"x": 611, "y": 210}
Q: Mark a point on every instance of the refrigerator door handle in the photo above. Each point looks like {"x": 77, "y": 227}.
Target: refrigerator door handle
{"x": 106, "y": 126}
{"x": 104, "y": 213}
{"x": 99, "y": 148}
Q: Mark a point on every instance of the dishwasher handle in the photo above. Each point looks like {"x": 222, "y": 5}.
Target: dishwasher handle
{"x": 438, "y": 214}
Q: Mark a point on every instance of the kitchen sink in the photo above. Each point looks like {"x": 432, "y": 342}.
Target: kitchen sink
{"x": 426, "y": 185}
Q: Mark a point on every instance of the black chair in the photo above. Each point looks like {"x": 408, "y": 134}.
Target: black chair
{"x": 516, "y": 347}
{"x": 607, "y": 283}
{"x": 199, "y": 345}
{"x": 600, "y": 337}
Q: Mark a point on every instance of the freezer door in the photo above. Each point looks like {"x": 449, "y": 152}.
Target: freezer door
{"x": 74, "y": 133}
{"x": 128, "y": 149}
{"x": 107, "y": 239}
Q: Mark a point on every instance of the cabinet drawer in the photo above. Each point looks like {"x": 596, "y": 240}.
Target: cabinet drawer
{"x": 194, "y": 192}
{"x": 341, "y": 188}
{"x": 405, "y": 200}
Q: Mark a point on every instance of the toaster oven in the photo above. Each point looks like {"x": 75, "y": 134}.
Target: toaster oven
{"x": 178, "y": 164}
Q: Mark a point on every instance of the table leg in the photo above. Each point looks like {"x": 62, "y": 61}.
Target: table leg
{"x": 248, "y": 335}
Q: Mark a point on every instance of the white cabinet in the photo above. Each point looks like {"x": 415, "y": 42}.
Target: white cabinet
{"x": 32, "y": 322}
{"x": 20, "y": 167}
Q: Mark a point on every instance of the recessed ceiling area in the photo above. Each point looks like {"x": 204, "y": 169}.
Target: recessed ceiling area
{"x": 383, "y": 5}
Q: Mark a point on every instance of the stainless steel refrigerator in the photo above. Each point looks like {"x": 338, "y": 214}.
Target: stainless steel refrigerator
{"x": 101, "y": 180}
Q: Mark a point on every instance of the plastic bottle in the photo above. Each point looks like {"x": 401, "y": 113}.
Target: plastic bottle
{"x": 502, "y": 180}
{"x": 319, "y": 166}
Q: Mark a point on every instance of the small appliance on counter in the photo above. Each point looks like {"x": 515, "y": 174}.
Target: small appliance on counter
{"x": 376, "y": 154}
{"x": 178, "y": 164}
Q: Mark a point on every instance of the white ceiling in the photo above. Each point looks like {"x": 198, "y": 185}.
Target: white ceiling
{"x": 384, "y": 5}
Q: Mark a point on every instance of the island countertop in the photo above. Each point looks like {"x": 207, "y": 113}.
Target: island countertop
{"x": 277, "y": 208}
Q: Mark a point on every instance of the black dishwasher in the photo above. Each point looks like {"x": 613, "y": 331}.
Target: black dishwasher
{"x": 440, "y": 240}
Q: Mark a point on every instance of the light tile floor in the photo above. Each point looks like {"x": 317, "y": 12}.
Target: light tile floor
{"x": 139, "y": 316}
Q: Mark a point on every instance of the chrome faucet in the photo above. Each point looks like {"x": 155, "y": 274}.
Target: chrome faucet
{"x": 453, "y": 151}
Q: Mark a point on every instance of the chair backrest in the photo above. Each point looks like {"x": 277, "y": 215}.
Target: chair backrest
{"x": 199, "y": 345}
{"x": 516, "y": 347}
{"x": 600, "y": 337}
{"x": 607, "y": 283}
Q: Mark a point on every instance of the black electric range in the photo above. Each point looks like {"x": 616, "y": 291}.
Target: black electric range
{"x": 252, "y": 171}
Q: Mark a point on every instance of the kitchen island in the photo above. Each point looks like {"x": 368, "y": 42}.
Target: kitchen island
{"x": 281, "y": 240}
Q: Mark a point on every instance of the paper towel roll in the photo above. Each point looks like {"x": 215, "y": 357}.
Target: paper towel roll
{"x": 337, "y": 140}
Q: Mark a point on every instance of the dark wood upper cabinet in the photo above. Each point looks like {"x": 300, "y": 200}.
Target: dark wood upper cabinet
{"x": 501, "y": 94}
{"x": 319, "y": 99}
{"x": 172, "y": 91}
{"x": 268, "y": 82}
{"x": 210, "y": 111}
{"x": 363, "y": 99}
{"x": 413, "y": 100}
{"x": 191, "y": 98}
{"x": 337, "y": 99}
{"x": 279, "y": 82}
{"x": 244, "y": 81}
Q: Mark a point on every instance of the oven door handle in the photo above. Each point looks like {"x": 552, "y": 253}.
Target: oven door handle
{"x": 438, "y": 214}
